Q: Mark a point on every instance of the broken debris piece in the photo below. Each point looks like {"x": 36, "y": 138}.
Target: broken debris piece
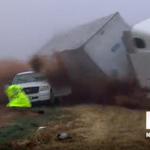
{"x": 41, "y": 128}
{"x": 63, "y": 136}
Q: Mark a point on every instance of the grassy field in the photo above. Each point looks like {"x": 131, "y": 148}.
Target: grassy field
{"x": 91, "y": 126}
{"x": 24, "y": 125}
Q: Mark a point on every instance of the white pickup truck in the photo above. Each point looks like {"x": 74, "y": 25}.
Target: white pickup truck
{"x": 34, "y": 85}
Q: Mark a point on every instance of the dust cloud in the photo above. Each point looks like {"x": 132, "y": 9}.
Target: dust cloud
{"x": 8, "y": 69}
{"x": 97, "y": 90}
{"x": 53, "y": 68}
{"x": 90, "y": 89}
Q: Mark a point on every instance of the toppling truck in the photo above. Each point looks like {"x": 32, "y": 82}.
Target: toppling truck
{"x": 99, "y": 65}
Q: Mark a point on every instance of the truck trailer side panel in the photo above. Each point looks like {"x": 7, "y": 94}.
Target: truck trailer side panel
{"x": 107, "y": 49}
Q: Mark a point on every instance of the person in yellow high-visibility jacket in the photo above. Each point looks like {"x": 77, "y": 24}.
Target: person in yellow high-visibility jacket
{"x": 17, "y": 97}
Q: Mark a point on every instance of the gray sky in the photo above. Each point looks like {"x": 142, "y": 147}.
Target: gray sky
{"x": 26, "y": 25}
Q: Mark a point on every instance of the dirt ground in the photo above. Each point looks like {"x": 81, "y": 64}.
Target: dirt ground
{"x": 91, "y": 127}
{"x": 7, "y": 114}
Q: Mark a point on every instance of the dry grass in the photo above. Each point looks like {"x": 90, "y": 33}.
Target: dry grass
{"x": 8, "y": 114}
{"x": 92, "y": 127}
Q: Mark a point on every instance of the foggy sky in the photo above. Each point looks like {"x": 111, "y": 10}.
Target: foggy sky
{"x": 26, "y": 25}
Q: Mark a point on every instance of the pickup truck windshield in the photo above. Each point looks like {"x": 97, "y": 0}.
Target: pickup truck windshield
{"x": 26, "y": 78}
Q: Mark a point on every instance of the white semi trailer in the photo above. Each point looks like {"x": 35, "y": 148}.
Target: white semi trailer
{"x": 115, "y": 50}
{"x": 122, "y": 51}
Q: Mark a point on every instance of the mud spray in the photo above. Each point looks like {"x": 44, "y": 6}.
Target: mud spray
{"x": 88, "y": 89}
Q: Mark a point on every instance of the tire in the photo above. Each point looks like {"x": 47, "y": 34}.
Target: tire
{"x": 54, "y": 101}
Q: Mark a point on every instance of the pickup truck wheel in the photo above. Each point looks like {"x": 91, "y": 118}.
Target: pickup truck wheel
{"x": 54, "y": 101}
{"x": 52, "y": 98}
{"x": 57, "y": 101}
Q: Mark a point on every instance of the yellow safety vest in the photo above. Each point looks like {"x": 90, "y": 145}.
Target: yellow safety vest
{"x": 17, "y": 97}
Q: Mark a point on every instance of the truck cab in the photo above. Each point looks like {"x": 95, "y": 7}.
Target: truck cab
{"x": 141, "y": 36}
{"x": 140, "y": 58}
{"x": 34, "y": 85}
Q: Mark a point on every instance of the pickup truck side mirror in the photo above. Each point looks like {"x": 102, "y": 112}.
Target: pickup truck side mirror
{"x": 9, "y": 83}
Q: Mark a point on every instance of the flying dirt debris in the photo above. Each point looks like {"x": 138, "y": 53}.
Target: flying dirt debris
{"x": 84, "y": 89}
{"x": 93, "y": 61}
{"x": 54, "y": 69}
